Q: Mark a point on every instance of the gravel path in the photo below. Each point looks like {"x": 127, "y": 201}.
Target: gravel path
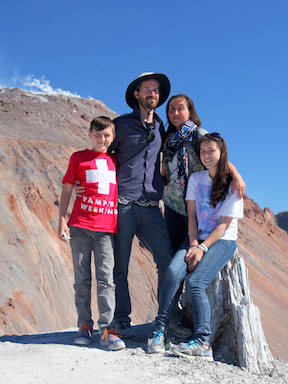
{"x": 52, "y": 358}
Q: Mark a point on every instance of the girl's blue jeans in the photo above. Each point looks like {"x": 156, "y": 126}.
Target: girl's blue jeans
{"x": 196, "y": 282}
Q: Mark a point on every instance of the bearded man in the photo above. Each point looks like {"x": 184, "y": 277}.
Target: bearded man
{"x": 139, "y": 137}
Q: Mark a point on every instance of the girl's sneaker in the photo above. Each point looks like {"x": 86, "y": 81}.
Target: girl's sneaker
{"x": 84, "y": 335}
{"x": 195, "y": 348}
{"x": 158, "y": 343}
{"x": 112, "y": 340}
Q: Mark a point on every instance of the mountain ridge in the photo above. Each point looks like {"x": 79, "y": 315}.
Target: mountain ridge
{"x": 282, "y": 220}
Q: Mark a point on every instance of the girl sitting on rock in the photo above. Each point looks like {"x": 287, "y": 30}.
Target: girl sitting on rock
{"x": 212, "y": 224}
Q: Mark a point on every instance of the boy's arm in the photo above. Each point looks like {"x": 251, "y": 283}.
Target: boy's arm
{"x": 237, "y": 182}
{"x": 63, "y": 206}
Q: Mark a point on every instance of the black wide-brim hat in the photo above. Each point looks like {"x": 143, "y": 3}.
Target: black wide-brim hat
{"x": 162, "y": 80}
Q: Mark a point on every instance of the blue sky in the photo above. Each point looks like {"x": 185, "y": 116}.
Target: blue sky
{"x": 229, "y": 56}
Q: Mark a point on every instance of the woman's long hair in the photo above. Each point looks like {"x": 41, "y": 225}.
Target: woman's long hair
{"x": 223, "y": 178}
{"x": 190, "y": 105}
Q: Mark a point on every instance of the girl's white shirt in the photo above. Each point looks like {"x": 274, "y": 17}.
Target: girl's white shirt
{"x": 208, "y": 218}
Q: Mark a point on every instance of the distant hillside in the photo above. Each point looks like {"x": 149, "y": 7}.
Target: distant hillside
{"x": 38, "y": 133}
{"x": 282, "y": 220}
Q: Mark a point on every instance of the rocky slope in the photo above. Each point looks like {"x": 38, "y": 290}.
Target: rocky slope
{"x": 38, "y": 133}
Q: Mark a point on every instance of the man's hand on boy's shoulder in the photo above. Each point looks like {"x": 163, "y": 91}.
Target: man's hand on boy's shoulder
{"x": 79, "y": 189}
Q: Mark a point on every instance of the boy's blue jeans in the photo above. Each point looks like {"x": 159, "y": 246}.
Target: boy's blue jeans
{"x": 149, "y": 226}
{"x": 83, "y": 242}
{"x": 196, "y": 282}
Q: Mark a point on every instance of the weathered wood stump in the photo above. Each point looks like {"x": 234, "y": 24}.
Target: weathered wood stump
{"x": 237, "y": 333}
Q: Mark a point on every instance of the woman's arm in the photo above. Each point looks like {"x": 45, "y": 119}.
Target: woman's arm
{"x": 163, "y": 174}
{"x": 237, "y": 182}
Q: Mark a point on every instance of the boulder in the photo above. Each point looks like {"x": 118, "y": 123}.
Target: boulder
{"x": 237, "y": 333}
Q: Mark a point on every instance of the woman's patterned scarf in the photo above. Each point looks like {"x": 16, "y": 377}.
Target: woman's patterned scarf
{"x": 177, "y": 143}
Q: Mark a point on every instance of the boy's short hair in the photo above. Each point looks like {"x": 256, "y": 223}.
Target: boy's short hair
{"x": 101, "y": 122}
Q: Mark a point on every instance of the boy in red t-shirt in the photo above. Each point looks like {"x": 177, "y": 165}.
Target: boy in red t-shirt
{"x": 92, "y": 223}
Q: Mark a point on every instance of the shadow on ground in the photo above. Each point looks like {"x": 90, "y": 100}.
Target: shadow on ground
{"x": 142, "y": 332}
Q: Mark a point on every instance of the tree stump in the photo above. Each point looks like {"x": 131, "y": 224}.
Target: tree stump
{"x": 237, "y": 333}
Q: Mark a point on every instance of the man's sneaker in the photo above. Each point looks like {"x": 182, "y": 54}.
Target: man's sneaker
{"x": 84, "y": 335}
{"x": 194, "y": 348}
{"x": 158, "y": 343}
{"x": 178, "y": 330}
{"x": 124, "y": 328}
{"x": 112, "y": 340}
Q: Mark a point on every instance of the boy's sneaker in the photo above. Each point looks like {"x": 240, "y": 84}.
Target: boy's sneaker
{"x": 111, "y": 339}
{"x": 158, "y": 343}
{"x": 123, "y": 327}
{"x": 178, "y": 330}
{"x": 194, "y": 348}
{"x": 84, "y": 335}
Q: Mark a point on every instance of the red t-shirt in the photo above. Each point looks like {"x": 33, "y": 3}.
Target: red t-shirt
{"x": 96, "y": 209}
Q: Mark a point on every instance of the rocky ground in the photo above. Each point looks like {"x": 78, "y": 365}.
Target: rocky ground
{"x": 53, "y": 359}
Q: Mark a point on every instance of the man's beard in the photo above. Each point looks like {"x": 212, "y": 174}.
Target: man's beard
{"x": 149, "y": 102}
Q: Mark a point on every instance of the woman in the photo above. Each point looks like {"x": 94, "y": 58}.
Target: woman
{"x": 213, "y": 211}
{"x": 180, "y": 160}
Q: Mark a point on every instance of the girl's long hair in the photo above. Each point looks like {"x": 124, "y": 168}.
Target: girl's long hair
{"x": 190, "y": 105}
{"x": 222, "y": 179}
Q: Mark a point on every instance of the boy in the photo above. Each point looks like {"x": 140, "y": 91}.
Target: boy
{"x": 93, "y": 223}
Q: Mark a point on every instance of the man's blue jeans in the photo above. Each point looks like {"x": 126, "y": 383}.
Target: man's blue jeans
{"x": 196, "y": 282}
{"x": 149, "y": 226}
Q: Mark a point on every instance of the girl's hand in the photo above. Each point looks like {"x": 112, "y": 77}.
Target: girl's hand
{"x": 79, "y": 189}
{"x": 193, "y": 257}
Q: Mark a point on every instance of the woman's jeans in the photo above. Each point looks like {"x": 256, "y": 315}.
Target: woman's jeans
{"x": 196, "y": 282}
{"x": 177, "y": 226}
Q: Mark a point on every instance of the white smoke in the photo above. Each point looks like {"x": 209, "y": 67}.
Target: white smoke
{"x": 30, "y": 83}
{"x": 43, "y": 86}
